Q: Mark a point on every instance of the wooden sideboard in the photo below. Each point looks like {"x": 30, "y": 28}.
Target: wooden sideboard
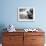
{"x": 23, "y": 39}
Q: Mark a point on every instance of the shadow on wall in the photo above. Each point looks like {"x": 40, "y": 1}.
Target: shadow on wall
{"x": 2, "y": 26}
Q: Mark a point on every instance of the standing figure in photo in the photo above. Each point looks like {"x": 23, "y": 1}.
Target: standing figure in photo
{"x": 30, "y": 14}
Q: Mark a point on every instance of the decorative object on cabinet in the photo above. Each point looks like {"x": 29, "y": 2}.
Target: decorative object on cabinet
{"x": 26, "y": 30}
{"x": 26, "y": 14}
{"x": 23, "y": 38}
{"x": 11, "y": 28}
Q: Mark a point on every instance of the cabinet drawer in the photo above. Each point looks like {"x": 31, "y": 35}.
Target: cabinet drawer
{"x": 13, "y": 33}
{"x": 20, "y": 44}
{"x": 37, "y": 44}
{"x": 12, "y": 39}
{"x": 34, "y": 33}
{"x": 37, "y": 39}
{"x": 27, "y": 41}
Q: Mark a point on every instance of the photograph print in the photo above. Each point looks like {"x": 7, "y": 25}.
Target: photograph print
{"x": 26, "y": 14}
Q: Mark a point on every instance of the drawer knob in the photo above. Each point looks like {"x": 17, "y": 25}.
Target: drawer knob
{"x": 11, "y": 38}
{"x": 33, "y": 39}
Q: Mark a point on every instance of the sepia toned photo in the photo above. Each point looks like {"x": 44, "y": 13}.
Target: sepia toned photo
{"x": 26, "y": 14}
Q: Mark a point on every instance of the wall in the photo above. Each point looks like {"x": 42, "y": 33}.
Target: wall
{"x": 8, "y": 13}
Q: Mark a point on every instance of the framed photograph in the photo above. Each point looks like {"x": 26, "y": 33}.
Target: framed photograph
{"x": 26, "y": 14}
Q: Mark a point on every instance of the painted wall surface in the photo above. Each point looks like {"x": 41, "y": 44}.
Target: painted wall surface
{"x": 8, "y": 13}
